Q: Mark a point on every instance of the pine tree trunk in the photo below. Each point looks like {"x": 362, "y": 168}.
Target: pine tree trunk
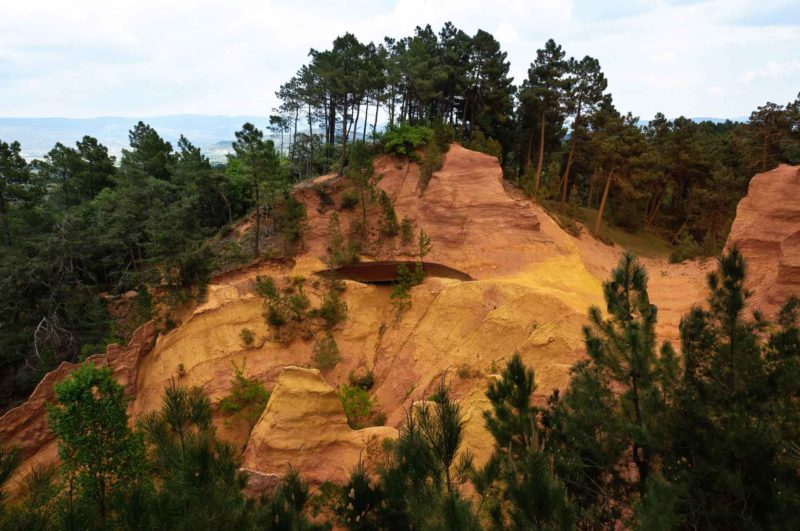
{"x": 366, "y": 119}
{"x": 294, "y": 136}
{"x": 639, "y": 452}
{"x": 375, "y": 123}
{"x": 529, "y": 154}
{"x": 391, "y": 107}
{"x": 332, "y": 122}
{"x": 355, "y": 122}
{"x": 591, "y": 186}
{"x": 572, "y": 141}
{"x": 258, "y": 217}
{"x": 603, "y": 202}
{"x": 344, "y": 139}
{"x": 540, "y": 162}
{"x": 565, "y": 178}
{"x": 310, "y": 142}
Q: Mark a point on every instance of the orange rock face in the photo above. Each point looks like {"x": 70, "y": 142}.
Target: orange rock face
{"x": 767, "y": 230}
{"x": 534, "y": 283}
{"x": 304, "y": 426}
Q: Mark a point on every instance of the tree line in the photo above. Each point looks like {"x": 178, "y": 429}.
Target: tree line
{"x": 79, "y": 226}
{"x": 560, "y": 134}
{"x": 642, "y": 438}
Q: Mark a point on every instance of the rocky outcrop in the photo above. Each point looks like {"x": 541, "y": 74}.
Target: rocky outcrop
{"x": 476, "y": 226}
{"x": 25, "y": 427}
{"x": 767, "y": 230}
{"x": 534, "y": 285}
{"x": 303, "y": 426}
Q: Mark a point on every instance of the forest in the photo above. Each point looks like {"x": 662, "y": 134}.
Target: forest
{"x": 704, "y": 439}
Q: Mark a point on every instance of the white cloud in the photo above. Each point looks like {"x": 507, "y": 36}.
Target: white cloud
{"x": 773, "y": 69}
{"x": 147, "y": 57}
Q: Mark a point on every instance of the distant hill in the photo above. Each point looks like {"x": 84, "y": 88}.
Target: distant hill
{"x": 213, "y": 134}
{"x": 718, "y": 120}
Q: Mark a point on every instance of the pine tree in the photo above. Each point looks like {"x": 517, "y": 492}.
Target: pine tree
{"x": 198, "y": 475}
{"x": 261, "y": 164}
{"x": 733, "y": 427}
{"x": 529, "y": 496}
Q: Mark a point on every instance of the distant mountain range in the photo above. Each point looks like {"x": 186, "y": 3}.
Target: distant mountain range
{"x": 213, "y": 134}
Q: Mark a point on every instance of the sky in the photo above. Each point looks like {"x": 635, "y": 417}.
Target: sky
{"x": 89, "y": 58}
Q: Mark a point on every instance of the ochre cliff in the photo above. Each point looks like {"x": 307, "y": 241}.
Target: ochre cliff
{"x": 767, "y": 230}
{"x": 534, "y": 283}
{"x": 303, "y": 426}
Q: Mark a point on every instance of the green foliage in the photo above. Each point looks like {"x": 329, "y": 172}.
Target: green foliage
{"x": 101, "y": 458}
{"x": 292, "y": 221}
{"x": 388, "y": 225}
{"x": 420, "y": 483}
{"x": 529, "y": 496}
{"x": 406, "y": 230}
{"x": 686, "y": 248}
{"x": 325, "y": 199}
{"x": 444, "y": 134}
{"x": 406, "y": 278}
{"x": 424, "y": 245}
{"x": 9, "y": 461}
{"x": 340, "y": 252}
{"x": 730, "y": 420}
{"x": 284, "y": 507}
{"x": 479, "y": 142}
{"x": 362, "y": 178}
{"x": 349, "y": 200}
{"x": 247, "y": 336}
{"x": 246, "y": 400}
{"x": 198, "y": 477}
{"x": 627, "y": 383}
{"x": 512, "y": 419}
{"x": 357, "y": 405}
{"x": 431, "y": 162}
{"x": 404, "y": 140}
{"x": 333, "y": 310}
{"x": 282, "y": 306}
{"x": 38, "y": 505}
{"x": 325, "y": 353}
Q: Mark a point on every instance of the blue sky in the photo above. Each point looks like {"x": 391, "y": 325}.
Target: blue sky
{"x": 86, "y": 58}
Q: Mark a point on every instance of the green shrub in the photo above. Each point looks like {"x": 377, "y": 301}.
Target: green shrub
{"x": 247, "y": 399}
{"x": 349, "y": 200}
{"x": 378, "y": 419}
{"x": 685, "y": 248}
{"x": 403, "y": 140}
{"x": 292, "y": 221}
{"x": 431, "y": 162}
{"x": 333, "y": 309}
{"x": 357, "y": 405}
{"x": 479, "y": 142}
{"x": 326, "y": 352}
{"x": 325, "y": 199}
{"x": 406, "y": 231}
{"x": 340, "y": 252}
{"x": 247, "y": 336}
{"x": 389, "y": 227}
{"x": 443, "y": 135}
{"x": 282, "y": 307}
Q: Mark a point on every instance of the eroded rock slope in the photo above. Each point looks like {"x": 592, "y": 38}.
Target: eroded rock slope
{"x": 534, "y": 283}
